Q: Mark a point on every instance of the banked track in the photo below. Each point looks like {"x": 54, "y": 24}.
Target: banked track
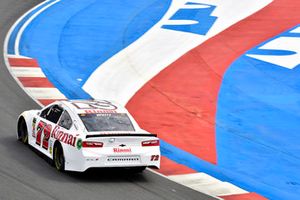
{"x": 24, "y": 175}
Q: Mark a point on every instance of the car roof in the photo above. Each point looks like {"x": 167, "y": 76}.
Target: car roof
{"x": 93, "y": 106}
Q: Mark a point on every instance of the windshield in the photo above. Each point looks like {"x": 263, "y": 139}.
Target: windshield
{"x": 107, "y": 122}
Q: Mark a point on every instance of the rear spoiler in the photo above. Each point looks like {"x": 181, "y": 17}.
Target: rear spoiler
{"x": 122, "y": 135}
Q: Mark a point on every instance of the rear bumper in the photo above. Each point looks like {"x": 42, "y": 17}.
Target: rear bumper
{"x": 105, "y": 157}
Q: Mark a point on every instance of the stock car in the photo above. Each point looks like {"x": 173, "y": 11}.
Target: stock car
{"x": 83, "y": 134}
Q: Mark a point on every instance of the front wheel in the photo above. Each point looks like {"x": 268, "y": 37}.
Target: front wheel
{"x": 58, "y": 158}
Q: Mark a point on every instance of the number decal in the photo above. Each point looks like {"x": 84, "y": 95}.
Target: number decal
{"x": 47, "y": 132}
{"x": 33, "y": 127}
{"x": 39, "y": 132}
{"x": 154, "y": 157}
{"x": 46, "y": 129}
{"x": 104, "y": 105}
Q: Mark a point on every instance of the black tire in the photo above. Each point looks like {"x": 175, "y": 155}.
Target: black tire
{"x": 23, "y": 133}
{"x": 59, "y": 158}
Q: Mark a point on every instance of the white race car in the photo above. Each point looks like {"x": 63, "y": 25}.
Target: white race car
{"x": 83, "y": 134}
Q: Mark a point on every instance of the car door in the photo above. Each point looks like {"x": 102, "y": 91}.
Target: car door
{"x": 65, "y": 130}
{"x": 45, "y": 124}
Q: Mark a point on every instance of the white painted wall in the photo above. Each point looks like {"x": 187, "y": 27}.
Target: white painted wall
{"x": 125, "y": 73}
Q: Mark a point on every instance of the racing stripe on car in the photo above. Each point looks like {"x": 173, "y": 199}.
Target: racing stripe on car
{"x": 31, "y": 77}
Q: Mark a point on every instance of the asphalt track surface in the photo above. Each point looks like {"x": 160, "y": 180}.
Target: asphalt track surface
{"x": 26, "y": 175}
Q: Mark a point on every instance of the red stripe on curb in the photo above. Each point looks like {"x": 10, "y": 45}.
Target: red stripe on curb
{"x": 246, "y": 196}
{"x": 23, "y": 62}
{"x": 180, "y": 103}
{"x": 171, "y": 168}
{"x": 46, "y": 102}
{"x": 38, "y": 82}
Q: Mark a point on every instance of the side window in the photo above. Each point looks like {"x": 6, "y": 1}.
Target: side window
{"x": 45, "y": 112}
{"x": 65, "y": 121}
{"x": 54, "y": 114}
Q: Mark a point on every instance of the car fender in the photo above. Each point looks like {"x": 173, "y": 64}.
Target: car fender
{"x": 73, "y": 154}
{"x": 28, "y": 116}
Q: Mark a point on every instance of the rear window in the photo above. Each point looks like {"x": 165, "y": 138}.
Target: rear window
{"x": 107, "y": 122}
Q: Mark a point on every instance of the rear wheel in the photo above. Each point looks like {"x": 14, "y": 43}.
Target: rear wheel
{"x": 23, "y": 134}
{"x": 59, "y": 158}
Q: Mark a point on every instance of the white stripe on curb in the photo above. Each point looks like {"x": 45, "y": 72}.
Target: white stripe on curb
{"x": 45, "y": 93}
{"x": 27, "y": 72}
{"x": 207, "y": 184}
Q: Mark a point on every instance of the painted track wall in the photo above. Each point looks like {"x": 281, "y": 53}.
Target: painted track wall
{"x": 24, "y": 175}
{"x": 255, "y": 118}
{"x": 203, "y": 119}
{"x": 254, "y": 144}
{"x": 258, "y": 132}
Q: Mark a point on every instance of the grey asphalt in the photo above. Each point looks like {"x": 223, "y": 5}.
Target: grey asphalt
{"x": 26, "y": 175}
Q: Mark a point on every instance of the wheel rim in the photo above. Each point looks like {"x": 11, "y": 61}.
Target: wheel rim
{"x": 24, "y": 138}
{"x": 59, "y": 158}
{"x": 24, "y": 134}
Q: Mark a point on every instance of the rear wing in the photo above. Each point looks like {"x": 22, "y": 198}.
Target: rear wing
{"x": 122, "y": 135}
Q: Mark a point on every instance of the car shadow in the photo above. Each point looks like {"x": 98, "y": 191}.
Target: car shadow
{"x": 28, "y": 160}
{"x": 106, "y": 174}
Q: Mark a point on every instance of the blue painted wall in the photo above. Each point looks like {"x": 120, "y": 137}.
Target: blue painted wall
{"x": 258, "y": 117}
{"x": 17, "y": 28}
{"x": 74, "y": 37}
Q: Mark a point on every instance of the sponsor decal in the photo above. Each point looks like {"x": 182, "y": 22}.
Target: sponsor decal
{"x": 33, "y": 126}
{"x": 100, "y": 105}
{"x": 79, "y": 144}
{"x": 47, "y": 132}
{"x": 122, "y": 150}
{"x": 154, "y": 158}
{"x": 95, "y": 111}
{"x": 95, "y": 107}
{"x": 63, "y": 136}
